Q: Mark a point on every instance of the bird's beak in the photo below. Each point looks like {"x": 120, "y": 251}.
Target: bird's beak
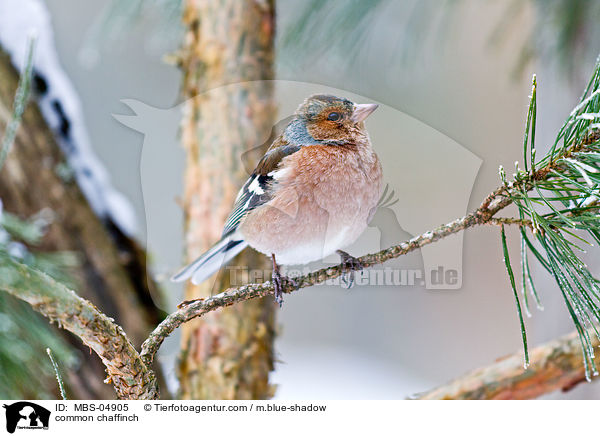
{"x": 362, "y": 111}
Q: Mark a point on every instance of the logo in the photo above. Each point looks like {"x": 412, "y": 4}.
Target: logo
{"x": 26, "y": 415}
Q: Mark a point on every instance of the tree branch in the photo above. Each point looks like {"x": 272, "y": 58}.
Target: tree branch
{"x": 511, "y": 221}
{"x": 130, "y": 376}
{"x": 492, "y": 204}
{"x": 555, "y": 365}
{"x": 195, "y": 308}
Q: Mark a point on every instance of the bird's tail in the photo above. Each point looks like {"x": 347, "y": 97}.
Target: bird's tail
{"x": 211, "y": 261}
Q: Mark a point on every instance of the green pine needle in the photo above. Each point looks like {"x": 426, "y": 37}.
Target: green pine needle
{"x": 530, "y": 127}
{"x": 59, "y": 379}
{"x": 21, "y": 98}
{"x": 514, "y": 287}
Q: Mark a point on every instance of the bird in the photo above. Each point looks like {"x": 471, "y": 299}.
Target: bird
{"x": 313, "y": 193}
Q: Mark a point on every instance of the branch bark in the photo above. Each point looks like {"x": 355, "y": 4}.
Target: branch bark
{"x": 555, "y": 365}
{"x": 126, "y": 371}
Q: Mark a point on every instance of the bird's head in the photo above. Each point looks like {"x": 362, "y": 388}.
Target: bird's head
{"x": 334, "y": 119}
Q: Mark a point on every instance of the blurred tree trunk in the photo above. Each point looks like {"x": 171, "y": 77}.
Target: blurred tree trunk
{"x": 226, "y": 354}
{"x": 112, "y": 268}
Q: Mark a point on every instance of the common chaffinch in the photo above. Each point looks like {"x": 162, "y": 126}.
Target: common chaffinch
{"x": 312, "y": 193}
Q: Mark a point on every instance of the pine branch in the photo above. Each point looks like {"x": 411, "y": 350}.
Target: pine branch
{"x": 578, "y": 155}
{"x": 126, "y": 371}
{"x": 559, "y": 196}
{"x": 492, "y": 204}
{"x": 511, "y": 221}
{"x": 558, "y": 364}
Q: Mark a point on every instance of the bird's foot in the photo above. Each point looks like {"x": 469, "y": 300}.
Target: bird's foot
{"x": 280, "y": 282}
{"x": 352, "y": 264}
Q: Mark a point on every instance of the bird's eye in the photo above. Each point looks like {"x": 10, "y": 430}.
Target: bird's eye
{"x": 334, "y": 116}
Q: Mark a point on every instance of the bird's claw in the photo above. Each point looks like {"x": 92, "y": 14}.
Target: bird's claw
{"x": 352, "y": 264}
{"x": 278, "y": 287}
{"x": 279, "y": 283}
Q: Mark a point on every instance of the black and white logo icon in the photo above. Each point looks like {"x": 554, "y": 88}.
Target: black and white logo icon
{"x": 26, "y": 415}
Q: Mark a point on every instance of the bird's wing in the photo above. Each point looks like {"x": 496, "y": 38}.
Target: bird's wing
{"x": 259, "y": 188}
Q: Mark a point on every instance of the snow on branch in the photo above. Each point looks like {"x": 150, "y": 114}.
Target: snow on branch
{"x": 60, "y": 106}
